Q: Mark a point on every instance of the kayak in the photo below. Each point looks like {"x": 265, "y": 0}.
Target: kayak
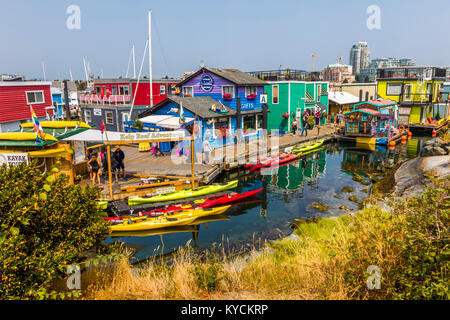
{"x": 265, "y": 163}
{"x": 102, "y": 204}
{"x": 183, "y": 194}
{"x": 154, "y": 223}
{"x": 224, "y": 199}
{"x": 25, "y": 136}
{"x": 58, "y": 124}
{"x": 167, "y": 220}
{"x": 285, "y": 160}
{"x": 275, "y": 162}
{"x": 308, "y": 147}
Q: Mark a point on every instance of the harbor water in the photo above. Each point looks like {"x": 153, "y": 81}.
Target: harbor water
{"x": 311, "y": 186}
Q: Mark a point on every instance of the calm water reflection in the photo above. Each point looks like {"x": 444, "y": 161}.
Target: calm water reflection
{"x": 316, "y": 177}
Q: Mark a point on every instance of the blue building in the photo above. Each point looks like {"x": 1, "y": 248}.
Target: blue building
{"x": 215, "y": 102}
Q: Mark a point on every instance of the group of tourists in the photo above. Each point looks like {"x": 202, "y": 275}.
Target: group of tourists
{"x": 98, "y": 164}
{"x": 304, "y": 122}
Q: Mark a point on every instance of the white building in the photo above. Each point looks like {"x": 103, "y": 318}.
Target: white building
{"x": 359, "y": 56}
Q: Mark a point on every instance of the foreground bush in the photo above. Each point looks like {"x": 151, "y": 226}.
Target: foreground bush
{"x": 46, "y": 224}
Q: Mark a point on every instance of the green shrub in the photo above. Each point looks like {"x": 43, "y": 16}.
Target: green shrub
{"x": 210, "y": 272}
{"x": 46, "y": 224}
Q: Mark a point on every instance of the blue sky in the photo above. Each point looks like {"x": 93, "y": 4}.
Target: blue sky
{"x": 245, "y": 34}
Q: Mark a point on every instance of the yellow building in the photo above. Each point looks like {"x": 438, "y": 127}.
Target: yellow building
{"x": 418, "y": 98}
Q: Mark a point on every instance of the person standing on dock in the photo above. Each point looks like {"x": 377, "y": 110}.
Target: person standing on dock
{"x": 206, "y": 150}
{"x": 305, "y": 123}
{"x": 294, "y": 126}
{"x": 94, "y": 164}
{"x": 119, "y": 155}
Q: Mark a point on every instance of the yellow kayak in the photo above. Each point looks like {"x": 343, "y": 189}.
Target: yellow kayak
{"x": 153, "y": 223}
{"x": 58, "y": 124}
{"x": 21, "y": 136}
{"x": 155, "y": 232}
{"x": 167, "y": 220}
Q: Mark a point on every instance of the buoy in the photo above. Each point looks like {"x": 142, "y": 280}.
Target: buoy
{"x": 391, "y": 147}
{"x": 403, "y": 139}
{"x": 392, "y": 144}
{"x": 433, "y": 133}
{"x": 409, "y": 134}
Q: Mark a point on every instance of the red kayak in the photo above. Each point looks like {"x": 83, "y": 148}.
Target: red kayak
{"x": 269, "y": 162}
{"x": 203, "y": 203}
{"x": 275, "y": 162}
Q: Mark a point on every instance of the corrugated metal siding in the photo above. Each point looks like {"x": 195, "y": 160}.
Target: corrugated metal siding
{"x": 13, "y": 102}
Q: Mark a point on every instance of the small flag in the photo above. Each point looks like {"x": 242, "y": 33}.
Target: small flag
{"x": 37, "y": 126}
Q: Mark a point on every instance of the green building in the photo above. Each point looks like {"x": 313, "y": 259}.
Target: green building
{"x": 289, "y": 99}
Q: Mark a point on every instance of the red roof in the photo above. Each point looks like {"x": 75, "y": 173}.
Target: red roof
{"x": 371, "y": 111}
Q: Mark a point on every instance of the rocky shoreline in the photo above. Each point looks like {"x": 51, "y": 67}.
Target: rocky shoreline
{"x": 436, "y": 147}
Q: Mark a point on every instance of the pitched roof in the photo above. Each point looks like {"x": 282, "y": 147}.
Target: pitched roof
{"x": 233, "y": 75}
{"x": 197, "y": 105}
{"x": 379, "y": 103}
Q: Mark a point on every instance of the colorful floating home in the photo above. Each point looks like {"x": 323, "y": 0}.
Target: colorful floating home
{"x": 111, "y": 100}
{"x": 372, "y": 122}
{"x": 221, "y": 100}
{"x": 16, "y": 97}
{"x": 287, "y": 100}
{"x": 420, "y": 104}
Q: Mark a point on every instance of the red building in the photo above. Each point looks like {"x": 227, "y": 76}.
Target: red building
{"x": 122, "y": 91}
{"x": 16, "y": 98}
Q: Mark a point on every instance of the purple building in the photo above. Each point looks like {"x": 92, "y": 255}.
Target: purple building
{"x": 219, "y": 99}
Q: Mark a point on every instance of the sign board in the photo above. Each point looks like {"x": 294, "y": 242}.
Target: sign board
{"x": 263, "y": 98}
{"x": 97, "y": 112}
{"x": 13, "y": 158}
{"x": 206, "y": 82}
{"x": 155, "y": 135}
{"x": 165, "y": 190}
{"x": 247, "y": 106}
{"x": 79, "y": 151}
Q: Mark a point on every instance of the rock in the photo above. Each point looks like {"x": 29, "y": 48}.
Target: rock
{"x": 296, "y": 223}
{"x": 342, "y": 207}
{"x": 357, "y": 178}
{"x": 319, "y": 206}
{"x": 353, "y": 198}
{"x": 337, "y": 196}
{"x": 365, "y": 190}
{"x": 439, "y": 151}
{"x": 447, "y": 148}
{"x": 317, "y": 219}
{"x": 365, "y": 182}
{"x": 347, "y": 189}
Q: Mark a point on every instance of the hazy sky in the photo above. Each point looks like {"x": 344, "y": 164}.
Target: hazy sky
{"x": 248, "y": 35}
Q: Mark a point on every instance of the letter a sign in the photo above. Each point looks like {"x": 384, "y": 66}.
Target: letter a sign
{"x": 263, "y": 98}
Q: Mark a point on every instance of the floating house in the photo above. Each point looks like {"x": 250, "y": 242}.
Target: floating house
{"x": 372, "y": 122}
{"x": 287, "y": 100}
{"x": 221, "y": 100}
{"x": 112, "y": 99}
{"x": 341, "y": 101}
{"x": 16, "y": 97}
{"x": 418, "y": 98}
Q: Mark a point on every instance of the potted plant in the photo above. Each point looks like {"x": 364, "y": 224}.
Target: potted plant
{"x": 285, "y": 115}
{"x": 252, "y": 96}
{"x": 227, "y": 96}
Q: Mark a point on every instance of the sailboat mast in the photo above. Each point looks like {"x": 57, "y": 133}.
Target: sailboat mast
{"x": 134, "y": 64}
{"x": 150, "y": 54}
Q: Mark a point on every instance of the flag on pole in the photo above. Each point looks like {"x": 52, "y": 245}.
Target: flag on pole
{"x": 37, "y": 126}
{"x": 181, "y": 114}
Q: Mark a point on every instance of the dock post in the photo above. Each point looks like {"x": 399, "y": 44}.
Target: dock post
{"x": 108, "y": 151}
{"x": 192, "y": 163}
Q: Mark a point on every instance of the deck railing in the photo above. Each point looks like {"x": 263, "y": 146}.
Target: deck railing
{"x": 99, "y": 99}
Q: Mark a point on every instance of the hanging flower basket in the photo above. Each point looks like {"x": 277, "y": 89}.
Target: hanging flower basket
{"x": 252, "y": 96}
{"x": 227, "y": 96}
{"x": 285, "y": 115}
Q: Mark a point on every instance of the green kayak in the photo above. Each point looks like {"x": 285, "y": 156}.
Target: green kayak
{"x": 102, "y": 204}
{"x": 183, "y": 194}
{"x": 308, "y": 147}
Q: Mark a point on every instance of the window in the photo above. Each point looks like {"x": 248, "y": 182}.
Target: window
{"x": 114, "y": 90}
{"x": 125, "y": 116}
{"x": 367, "y": 96}
{"x": 109, "y": 117}
{"x": 275, "y": 94}
{"x": 251, "y": 91}
{"x": 87, "y": 116}
{"x": 228, "y": 90}
{"x": 34, "y": 97}
{"x": 360, "y": 95}
{"x": 319, "y": 91}
{"x": 249, "y": 124}
{"x": 97, "y": 90}
{"x": 124, "y": 90}
{"x": 188, "y": 91}
{"x": 162, "y": 90}
{"x": 393, "y": 89}
{"x": 408, "y": 92}
{"x": 221, "y": 128}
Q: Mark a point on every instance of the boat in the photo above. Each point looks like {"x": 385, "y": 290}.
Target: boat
{"x": 167, "y": 220}
{"x": 152, "y": 223}
{"x": 183, "y": 194}
{"x": 309, "y": 147}
{"x": 103, "y": 204}
{"x": 24, "y": 136}
{"x": 277, "y": 161}
{"x": 154, "y": 232}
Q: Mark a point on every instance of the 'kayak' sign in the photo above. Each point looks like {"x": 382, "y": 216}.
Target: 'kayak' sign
{"x": 153, "y": 135}
{"x": 13, "y": 158}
